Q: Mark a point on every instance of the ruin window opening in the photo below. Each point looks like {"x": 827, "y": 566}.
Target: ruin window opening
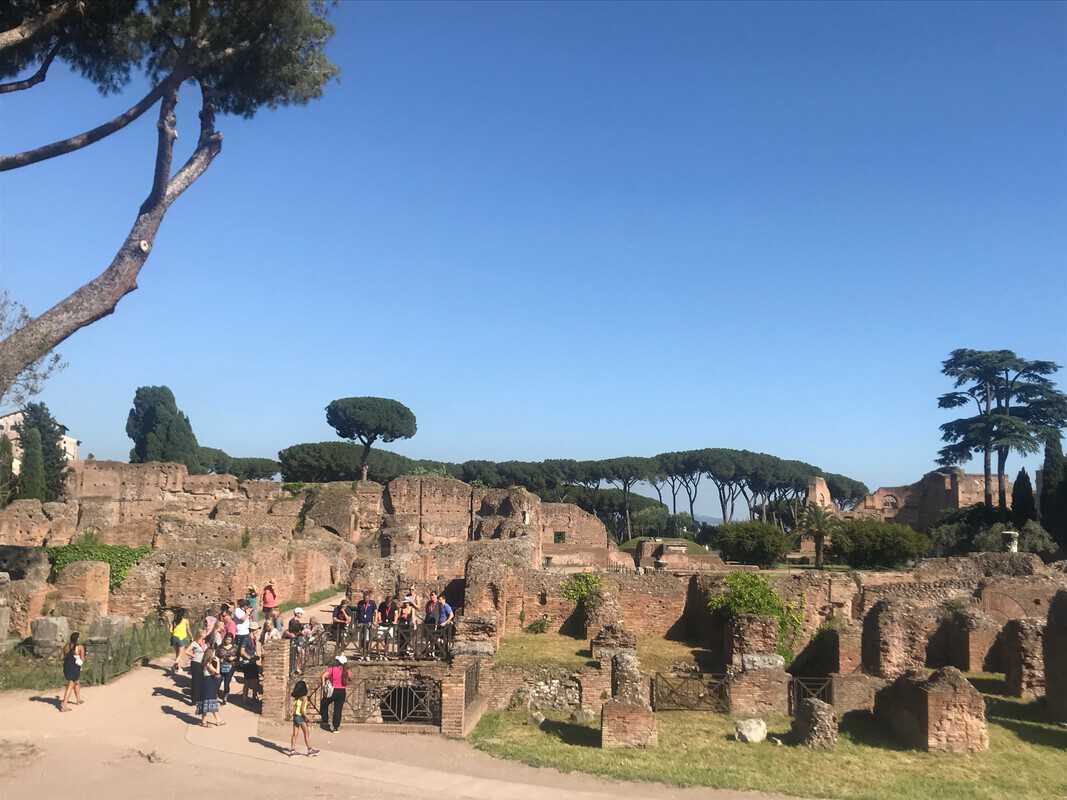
{"x": 559, "y": 537}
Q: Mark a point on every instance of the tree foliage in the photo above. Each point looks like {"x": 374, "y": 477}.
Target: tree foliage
{"x": 37, "y": 415}
{"x": 32, "y": 482}
{"x": 368, "y": 419}
{"x": 750, "y": 593}
{"x": 29, "y": 380}
{"x": 1023, "y": 504}
{"x": 243, "y": 55}
{"x": 1054, "y": 490}
{"x": 7, "y": 473}
{"x": 756, "y": 542}
{"x": 820, "y": 524}
{"x": 121, "y": 558}
{"x": 160, "y": 431}
{"x": 868, "y": 543}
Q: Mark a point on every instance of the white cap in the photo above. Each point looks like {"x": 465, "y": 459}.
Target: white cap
{"x": 341, "y": 660}
{"x": 298, "y": 611}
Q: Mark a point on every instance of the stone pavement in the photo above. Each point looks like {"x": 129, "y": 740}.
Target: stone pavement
{"x": 133, "y": 739}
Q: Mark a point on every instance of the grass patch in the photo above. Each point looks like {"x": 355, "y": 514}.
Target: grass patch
{"x": 316, "y": 597}
{"x": 556, "y": 649}
{"x": 1025, "y": 761}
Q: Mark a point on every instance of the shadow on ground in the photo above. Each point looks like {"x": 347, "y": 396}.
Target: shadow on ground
{"x": 571, "y": 733}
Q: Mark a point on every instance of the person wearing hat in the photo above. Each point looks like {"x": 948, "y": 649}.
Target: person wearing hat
{"x": 270, "y": 596}
{"x": 252, "y": 601}
{"x": 334, "y": 683}
{"x": 298, "y": 638}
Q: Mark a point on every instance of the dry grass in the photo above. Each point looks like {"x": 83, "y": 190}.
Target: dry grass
{"x": 1027, "y": 759}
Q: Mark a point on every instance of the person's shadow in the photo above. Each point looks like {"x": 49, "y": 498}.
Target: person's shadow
{"x": 52, "y": 701}
{"x": 183, "y": 716}
{"x": 171, "y": 693}
{"x": 269, "y": 745}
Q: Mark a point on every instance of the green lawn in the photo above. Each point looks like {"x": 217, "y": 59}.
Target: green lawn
{"x": 315, "y": 599}
{"x": 1027, "y": 759}
{"x": 535, "y": 649}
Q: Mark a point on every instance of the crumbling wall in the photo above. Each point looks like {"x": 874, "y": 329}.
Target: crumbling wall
{"x": 896, "y": 635}
{"x": 941, "y": 713}
{"x": 1054, "y": 649}
{"x": 1024, "y": 660}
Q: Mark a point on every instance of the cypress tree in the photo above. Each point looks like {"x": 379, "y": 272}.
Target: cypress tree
{"x": 1023, "y": 505}
{"x": 32, "y": 484}
{"x": 37, "y": 415}
{"x": 160, "y": 431}
{"x": 1054, "y": 490}
{"x": 7, "y": 476}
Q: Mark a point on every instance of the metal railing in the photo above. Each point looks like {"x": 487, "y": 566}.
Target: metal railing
{"x": 801, "y": 688}
{"x": 374, "y": 701}
{"x": 691, "y": 693}
{"x": 425, "y": 642}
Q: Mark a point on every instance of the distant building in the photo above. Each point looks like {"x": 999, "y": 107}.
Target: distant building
{"x": 8, "y": 425}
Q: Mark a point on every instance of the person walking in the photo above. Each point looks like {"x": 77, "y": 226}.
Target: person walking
{"x": 73, "y": 659}
{"x": 300, "y": 719}
{"x": 228, "y": 654}
{"x": 179, "y": 638}
{"x": 334, "y": 684}
{"x": 209, "y": 698}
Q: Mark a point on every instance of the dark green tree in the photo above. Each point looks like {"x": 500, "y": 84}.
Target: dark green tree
{"x": 32, "y": 482}
{"x": 214, "y": 460}
{"x": 254, "y": 469}
{"x": 368, "y": 419}
{"x": 1017, "y": 407}
{"x": 1023, "y": 505}
{"x": 160, "y": 431}
{"x": 7, "y": 472}
{"x": 37, "y": 415}
{"x": 1053, "y": 506}
{"x": 243, "y": 55}
{"x": 846, "y": 492}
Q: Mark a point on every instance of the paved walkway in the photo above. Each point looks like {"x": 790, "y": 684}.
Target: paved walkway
{"x": 135, "y": 738}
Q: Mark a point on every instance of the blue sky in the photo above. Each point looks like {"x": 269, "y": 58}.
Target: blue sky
{"x": 581, "y": 230}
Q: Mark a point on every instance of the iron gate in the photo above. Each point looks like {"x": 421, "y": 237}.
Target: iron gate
{"x": 702, "y": 692}
{"x": 801, "y": 688}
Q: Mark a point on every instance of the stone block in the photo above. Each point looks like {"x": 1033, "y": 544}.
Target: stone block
{"x": 973, "y": 641}
{"x": 759, "y": 691}
{"x": 750, "y": 731}
{"x": 939, "y": 713}
{"x": 749, "y": 634}
{"x": 751, "y": 661}
{"x": 854, "y": 692}
{"x": 815, "y": 724}
{"x": 85, "y": 580}
{"x": 1024, "y": 659}
{"x": 627, "y": 683}
{"x": 5, "y": 622}
{"x": 612, "y": 639}
{"x": 111, "y": 627}
{"x": 80, "y": 614}
{"x": 896, "y": 634}
{"x": 49, "y": 634}
{"x": 627, "y": 725}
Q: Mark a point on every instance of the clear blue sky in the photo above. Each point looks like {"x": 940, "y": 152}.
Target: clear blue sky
{"x": 581, "y": 230}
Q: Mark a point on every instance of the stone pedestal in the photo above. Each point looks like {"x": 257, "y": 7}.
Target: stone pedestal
{"x": 815, "y": 724}
{"x": 627, "y": 725}
{"x": 942, "y": 713}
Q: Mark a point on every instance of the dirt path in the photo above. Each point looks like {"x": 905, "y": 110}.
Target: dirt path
{"x": 134, "y": 738}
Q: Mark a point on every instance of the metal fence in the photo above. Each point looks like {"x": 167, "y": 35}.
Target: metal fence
{"x": 702, "y": 692}
{"x": 372, "y": 700}
{"x": 801, "y": 688}
{"x": 373, "y": 643}
{"x": 107, "y": 658}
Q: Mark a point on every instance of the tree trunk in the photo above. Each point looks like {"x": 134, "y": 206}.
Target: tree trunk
{"x": 819, "y": 547}
{"x": 1002, "y": 488}
{"x": 100, "y": 296}
{"x": 987, "y": 467}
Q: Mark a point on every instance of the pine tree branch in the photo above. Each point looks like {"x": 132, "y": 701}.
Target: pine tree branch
{"x": 34, "y": 25}
{"x": 35, "y": 78}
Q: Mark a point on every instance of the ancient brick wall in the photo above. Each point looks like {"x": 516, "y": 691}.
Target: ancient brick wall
{"x": 748, "y": 634}
{"x": 1024, "y": 658}
{"x": 85, "y": 580}
{"x": 896, "y": 635}
{"x": 1005, "y": 599}
{"x": 627, "y": 725}
{"x": 926, "y": 593}
{"x": 1054, "y": 648}
{"x": 854, "y": 692}
{"x": 941, "y": 713}
{"x": 973, "y": 641}
{"x": 759, "y": 691}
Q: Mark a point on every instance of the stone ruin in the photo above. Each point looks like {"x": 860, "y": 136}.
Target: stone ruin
{"x": 758, "y": 682}
{"x": 1054, "y": 651}
{"x": 939, "y": 713}
{"x": 627, "y": 719}
{"x": 1024, "y": 660}
{"x": 815, "y": 724}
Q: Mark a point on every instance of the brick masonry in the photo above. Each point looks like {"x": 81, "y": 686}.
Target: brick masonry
{"x": 1024, "y": 658}
{"x": 627, "y": 725}
{"x": 941, "y": 713}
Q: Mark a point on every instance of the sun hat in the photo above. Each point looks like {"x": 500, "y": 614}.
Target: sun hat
{"x": 254, "y": 625}
{"x": 298, "y": 612}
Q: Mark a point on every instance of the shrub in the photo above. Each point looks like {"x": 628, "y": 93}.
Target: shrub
{"x": 867, "y": 543}
{"x": 582, "y": 588}
{"x": 119, "y": 556}
{"x": 755, "y": 542}
{"x": 538, "y": 626}
{"x": 750, "y": 593}
{"x": 975, "y": 530}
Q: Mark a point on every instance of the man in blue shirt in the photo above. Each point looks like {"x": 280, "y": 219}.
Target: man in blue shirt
{"x": 366, "y": 620}
{"x": 444, "y": 612}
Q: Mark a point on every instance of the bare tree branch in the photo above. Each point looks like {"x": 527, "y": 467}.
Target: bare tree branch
{"x": 99, "y": 297}
{"x": 35, "y": 78}
{"x": 64, "y": 146}
{"x": 32, "y": 26}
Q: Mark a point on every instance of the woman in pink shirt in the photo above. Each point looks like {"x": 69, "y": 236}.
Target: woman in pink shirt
{"x": 337, "y": 675}
{"x": 270, "y": 597}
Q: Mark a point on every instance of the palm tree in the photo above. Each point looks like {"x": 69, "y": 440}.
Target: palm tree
{"x": 818, "y": 522}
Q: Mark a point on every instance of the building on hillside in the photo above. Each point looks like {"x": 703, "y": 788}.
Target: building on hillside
{"x": 9, "y": 427}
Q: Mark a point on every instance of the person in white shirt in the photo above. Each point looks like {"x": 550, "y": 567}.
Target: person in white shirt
{"x": 242, "y": 618}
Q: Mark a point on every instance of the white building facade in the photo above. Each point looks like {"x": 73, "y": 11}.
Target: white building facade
{"x": 8, "y": 425}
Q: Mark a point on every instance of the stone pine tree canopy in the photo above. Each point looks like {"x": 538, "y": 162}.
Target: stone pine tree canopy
{"x": 368, "y": 419}
{"x": 242, "y": 54}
